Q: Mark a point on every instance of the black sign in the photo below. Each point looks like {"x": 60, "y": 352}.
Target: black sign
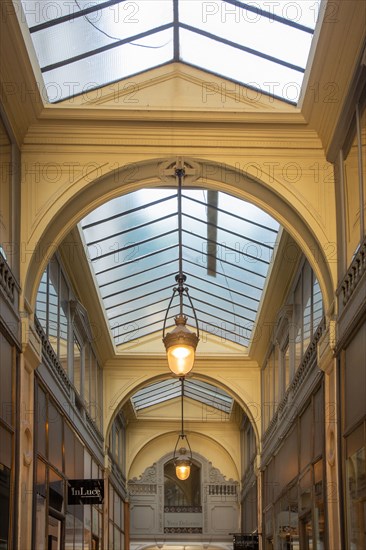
{"x": 85, "y": 491}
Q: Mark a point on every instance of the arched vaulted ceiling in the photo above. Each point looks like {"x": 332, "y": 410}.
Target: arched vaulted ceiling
{"x": 227, "y": 248}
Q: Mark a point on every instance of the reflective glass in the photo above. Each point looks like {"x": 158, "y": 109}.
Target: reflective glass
{"x": 99, "y": 29}
{"x": 136, "y": 283}
{"x": 248, "y": 29}
{"x": 109, "y": 66}
{"x": 262, "y": 75}
{"x": 282, "y": 30}
{"x": 171, "y": 389}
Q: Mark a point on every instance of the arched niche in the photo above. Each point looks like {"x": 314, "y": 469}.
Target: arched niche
{"x": 218, "y": 514}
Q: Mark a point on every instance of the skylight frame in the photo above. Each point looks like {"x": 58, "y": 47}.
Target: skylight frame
{"x": 167, "y": 390}
{"x": 136, "y": 296}
{"x": 176, "y": 26}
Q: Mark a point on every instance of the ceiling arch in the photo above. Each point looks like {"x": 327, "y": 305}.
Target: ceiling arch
{"x": 64, "y": 215}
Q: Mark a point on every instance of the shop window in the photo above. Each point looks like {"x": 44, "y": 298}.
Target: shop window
{"x": 354, "y": 173}
{"x": 117, "y": 442}
{"x": 356, "y": 488}
{"x": 62, "y": 456}
{"x": 116, "y": 520}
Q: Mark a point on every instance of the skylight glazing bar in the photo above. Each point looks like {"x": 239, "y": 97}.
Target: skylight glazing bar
{"x": 74, "y": 15}
{"x": 230, "y": 248}
{"x": 134, "y": 299}
{"x": 105, "y": 48}
{"x": 226, "y": 262}
{"x": 128, "y": 289}
{"x": 235, "y": 305}
{"x": 231, "y": 214}
{"x": 133, "y": 245}
{"x": 129, "y": 262}
{"x": 243, "y": 237}
{"x": 271, "y": 16}
{"x": 242, "y": 48}
{"x": 130, "y": 211}
{"x": 135, "y": 309}
{"x": 147, "y": 270}
{"x": 130, "y": 229}
{"x": 217, "y": 285}
{"x": 225, "y": 275}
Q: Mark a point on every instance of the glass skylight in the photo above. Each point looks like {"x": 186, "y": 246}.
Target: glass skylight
{"x": 133, "y": 249}
{"x": 83, "y": 45}
{"x": 205, "y": 393}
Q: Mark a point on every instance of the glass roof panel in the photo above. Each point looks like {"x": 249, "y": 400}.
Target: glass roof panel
{"x": 134, "y": 254}
{"x": 264, "y": 45}
{"x": 250, "y": 30}
{"x": 253, "y": 71}
{"x": 109, "y": 66}
{"x": 206, "y": 393}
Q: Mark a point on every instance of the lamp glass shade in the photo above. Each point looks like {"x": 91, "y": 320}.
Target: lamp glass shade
{"x": 180, "y": 359}
{"x": 182, "y": 468}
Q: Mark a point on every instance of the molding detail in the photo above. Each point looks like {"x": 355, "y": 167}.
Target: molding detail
{"x": 354, "y": 274}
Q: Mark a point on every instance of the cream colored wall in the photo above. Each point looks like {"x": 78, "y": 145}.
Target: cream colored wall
{"x": 211, "y": 434}
{"x": 240, "y": 377}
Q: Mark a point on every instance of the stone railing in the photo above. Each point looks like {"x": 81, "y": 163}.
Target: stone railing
{"x": 222, "y": 490}
{"x": 7, "y": 279}
{"x": 142, "y": 488}
{"x": 354, "y": 273}
{"x": 52, "y": 358}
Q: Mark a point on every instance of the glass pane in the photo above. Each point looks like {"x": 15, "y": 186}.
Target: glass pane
{"x": 248, "y": 29}
{"x": 41, "y": 303}
{"x": 304, "y": 13}
{"x": 307, "y": 305}
{"x": 317, "y": 305}
{"x": 56, "y": 491}
{"x": 53, "y": 305}
{"x": 41, "y": 421}
{"x": 69, "y": 452}
{"x": 55, "y": 435}
{"x": 298, "y": 323}
{"x": 110, "y": 66}
{"x": 93, "y": 407}
{"x": 77, "y": 365}
{"x": 253, "y": 71}
{"x": 101, "y": 28}
{"x": 352, "y": 199}
{"x": 64, "y": 323}
{"x": 356, "y": 498}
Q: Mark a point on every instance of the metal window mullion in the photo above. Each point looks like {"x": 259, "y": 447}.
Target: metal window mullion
{"x": 104, "y": 48}
{"x": 228, "y": 263}
{"x": 231, "y": 214}
{"x": 223, "y": 299}
{"x": 245, "y": 49}
{"x": 129, "y": 262}
{"x": 223, "y": 287}
{"x": 137, "y": 274}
